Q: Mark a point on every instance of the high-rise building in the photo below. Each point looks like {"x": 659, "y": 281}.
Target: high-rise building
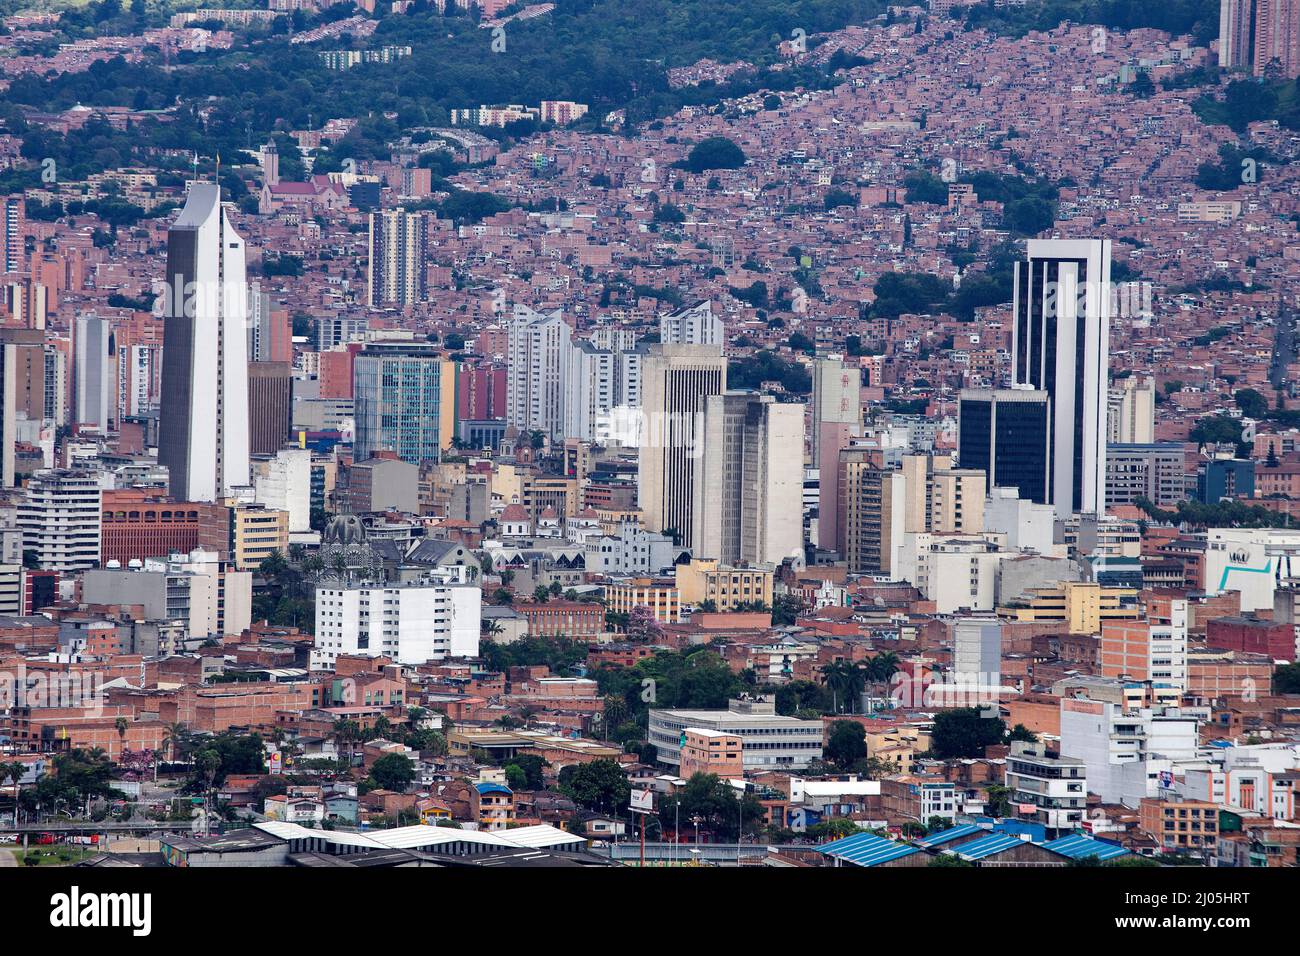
{"x": 203, "y": 428}
{"x": 270, "y": 406}
{"x": 56, "y": 387}
{"x": 1006, "y": 433}
{"x": 750, "y": 477}
{"x": 22, "y": 390}
{"x": 1153, "y": 471}
{"x": 270, "y": 332}
{"x": 1277, "y": 38}
{"x": 600, "y": 374}
{"x": 942, "y": 498}
{"x": 1060, "y": 343}
{"x": 676, "y": 382}
{"x": 835, "y": 399}
{"x": 60, "y": 519}
{"x": 693, "y": 325}
{"x": 1236, "y": 34}
{"x": 399, "y": 245}
{"x": 872, "y": 509}
{"x": 13, "y": 243}
{"x": 95, "y": 373}
{"x": 538, "y": 352}
{"x": 1131, "y": 414}
{"x": 480, "y": 392}
{"x": 405, "y": 395}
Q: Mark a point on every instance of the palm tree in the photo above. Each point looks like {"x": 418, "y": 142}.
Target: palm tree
{"x": 835, "y": 676}
{"x": 882, "y": 668}
{"x": 14, "y": 771}
{"x": 175, "y": 740}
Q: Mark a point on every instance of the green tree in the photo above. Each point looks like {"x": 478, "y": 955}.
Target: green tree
{"x": 716, "y": 152}
{"x": 847, "y": 743}
{"x": 393, "y": 772}
{"x": 599, "y": 785}
{"x": 964, "y": 732}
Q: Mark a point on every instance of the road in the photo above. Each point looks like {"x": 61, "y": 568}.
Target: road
{"x": 1284, "y": 347}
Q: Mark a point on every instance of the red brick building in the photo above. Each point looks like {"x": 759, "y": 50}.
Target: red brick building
{"x": 1253, "y": 636}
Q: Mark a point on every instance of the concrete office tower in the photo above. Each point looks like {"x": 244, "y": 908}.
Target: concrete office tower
{"x": 56, "y": 388}
{"x": 13, "y": 244}
{"x": 60, "y": 520}
{"x": 676, "y": 382}
{"x": 943, "y": 498}
{"x": 599, "y": 374}
{"x": 95, "y": 373}
{"x": 537, "y": 357}
{"x": 203, "y": 431}
{"x": 694, "y": 325}
{"x": 399, "y": 245}
{"x": 1060, "y": 343}
{"x": 270, "y": 406}
{"x": 834, "y": 437}
{"x": 138, "y": 367}
{"x": 405, "y": 395}
{"x": 746, "y": 505}
{"x": 282, "y": 482}
{"x": 836, "y": 399}
{"x": 270, "y": 332}
{"x": 872, "y": 511}
{"x": 1131, "y": 414}
{"x": 1007, "y": 434}
{"x": 977, "y": 650}
{"x": 1277, "y": 38}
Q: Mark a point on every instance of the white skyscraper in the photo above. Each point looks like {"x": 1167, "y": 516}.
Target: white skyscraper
{"x": 694, "y": 325}
{"x": 94, "y": 373}
{"x": 203, "y": 432}
{"x": 539, "y": 345}
{"x": 676, "y": 381}
{"x": 750, "y": 481}
{"x": 1060, "y": 344}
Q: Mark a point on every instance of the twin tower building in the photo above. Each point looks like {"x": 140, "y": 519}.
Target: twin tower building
{"x": 1046, "y": 435}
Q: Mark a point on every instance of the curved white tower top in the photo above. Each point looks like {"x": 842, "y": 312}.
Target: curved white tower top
{"x": 203, "y": 431}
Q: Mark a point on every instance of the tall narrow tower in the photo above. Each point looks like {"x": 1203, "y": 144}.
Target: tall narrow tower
{"x": 203, "y": 432}
{"x": 1060, "y": 343}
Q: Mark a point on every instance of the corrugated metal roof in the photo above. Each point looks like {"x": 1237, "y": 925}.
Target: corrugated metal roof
{"x": 867, "y": 849}
{"x": 1076, "y": 846}
{"x": 952, "y": 833}
{"x": 991, "y": 844}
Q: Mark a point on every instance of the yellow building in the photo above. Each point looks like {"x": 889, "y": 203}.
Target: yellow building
{"x": 1083, "y": 606}
{"x": 659, "y": 594}
{"x": 255, "y": 532}
{"x": 898, "y": 746}
{"x": 702, "y": 580}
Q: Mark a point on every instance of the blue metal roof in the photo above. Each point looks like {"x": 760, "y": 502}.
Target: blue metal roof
{"x": 1076, "y": 846}
{"x": 947, "y": 836}
{"x": 867, "y": 849}
{"x": 991, "y": 844}
{"x": 492, "y": 788}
